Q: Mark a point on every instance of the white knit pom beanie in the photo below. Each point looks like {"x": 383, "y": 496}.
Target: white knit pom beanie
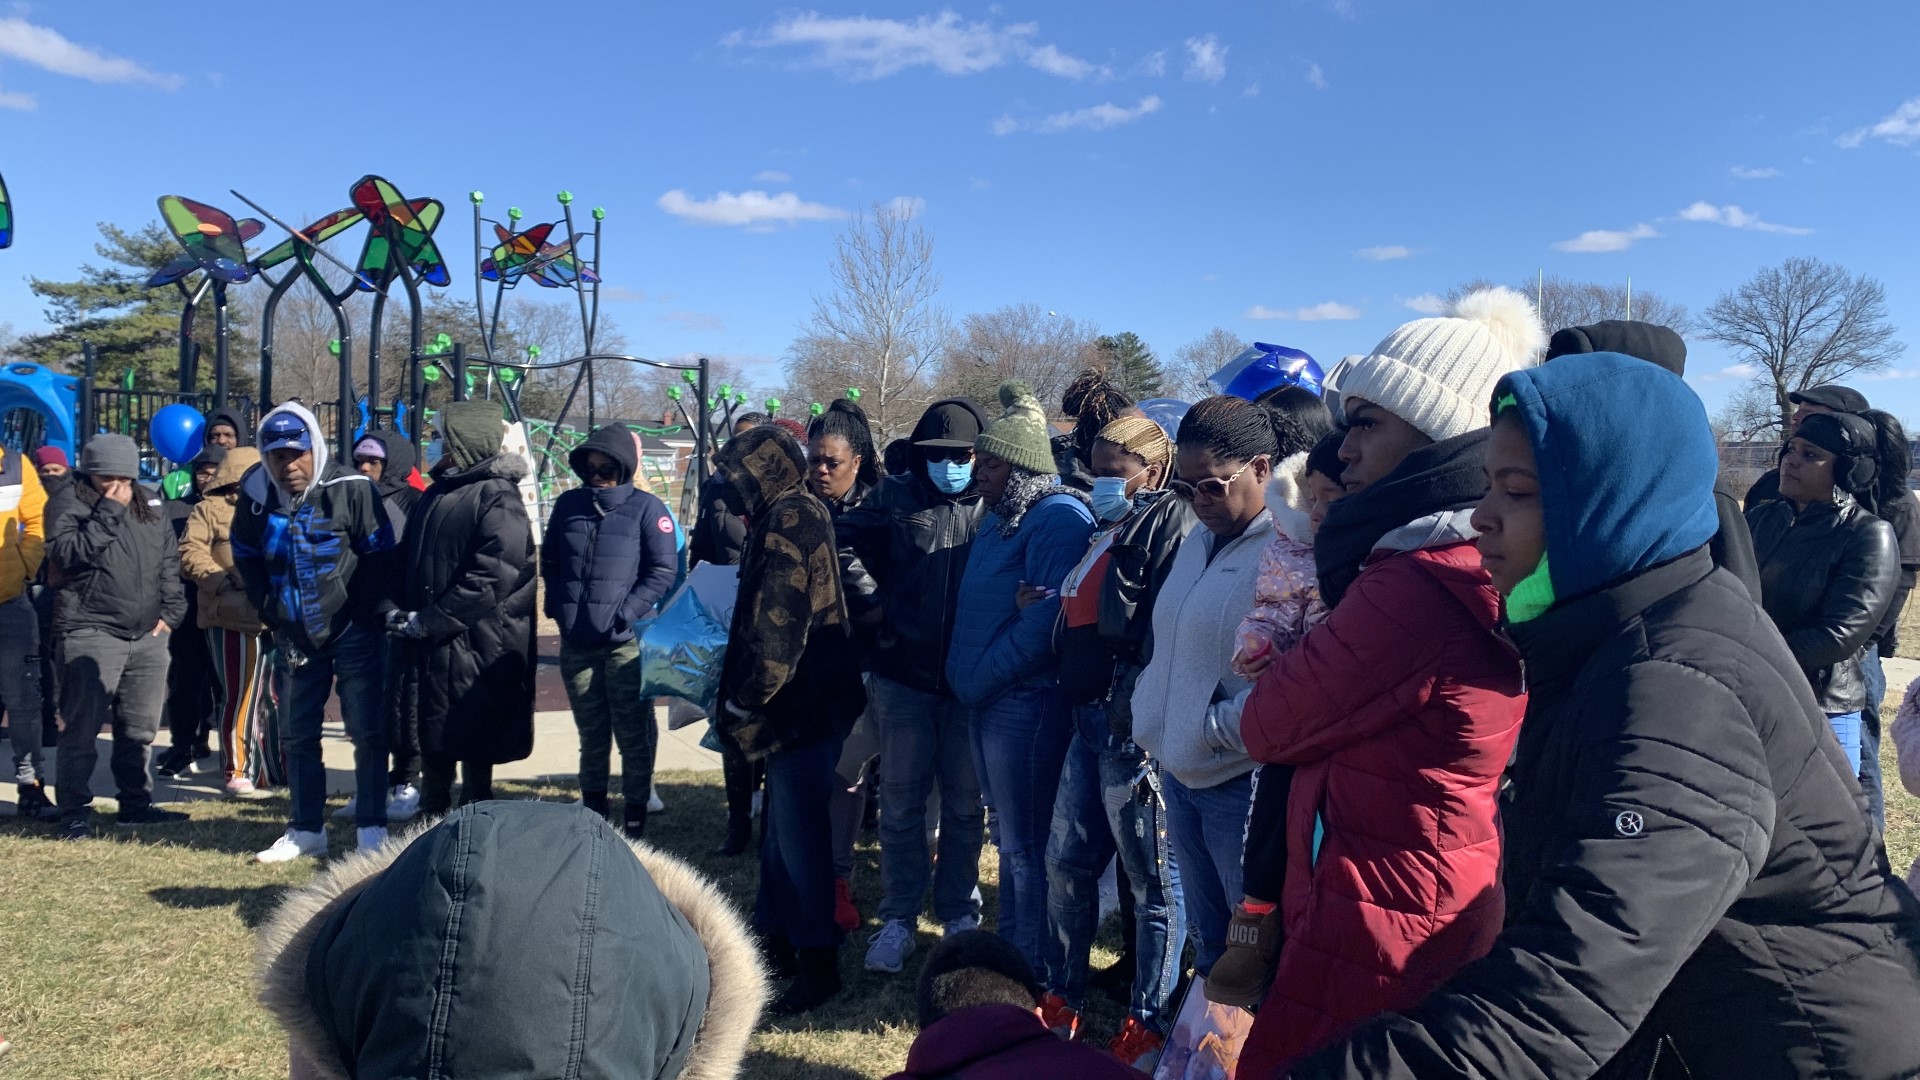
{"x": 1438, "y": 374}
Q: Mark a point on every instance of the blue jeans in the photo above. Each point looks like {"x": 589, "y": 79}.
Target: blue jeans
{"x": 796, "y": 854}
{"x": 1209, "y": 830}
{"x": 1019, "y": 745}
{"x": 1876, "y": 676}
{"x": 925, "y": 740}
{"x": 355, "y": 666}
{"x": 1846, "y": 728}
{"x": 1099, "y": 813}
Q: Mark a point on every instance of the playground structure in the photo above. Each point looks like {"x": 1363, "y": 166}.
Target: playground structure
{"x": 399, "y": 252}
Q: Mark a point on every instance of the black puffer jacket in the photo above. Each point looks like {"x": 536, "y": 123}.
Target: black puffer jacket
{"x": 1732, "y": 546}
{"x": 903, "y": 551}
{"x": 719, "y": 535}
{"x": 609, "y": 555}
{"x": 117, "y": 567}
{"x": 470, "y": 576}
{"x": 1827, "y": 576}
{"x": 396, "y": 492}
{"x": 1102, "y": 663}
{"x": 1688, "y": 863}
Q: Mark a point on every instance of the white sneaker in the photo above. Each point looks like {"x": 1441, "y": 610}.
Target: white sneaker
{"x": 654, "y": 805}
{"x": 889, "y": 947}
{"x": 403, "y": 803}
{"x": 347, "y": 811}
{"x": 368, "y": 837}
{"x": 239, "y": 785}
{"x": 960, "y": 925}
{"x": 294, "y": 844}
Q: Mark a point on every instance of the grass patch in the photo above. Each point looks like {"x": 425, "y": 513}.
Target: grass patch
{"x": 130, "y": 955}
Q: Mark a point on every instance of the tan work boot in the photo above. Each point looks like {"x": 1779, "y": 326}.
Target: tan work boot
{"x": 1241, "y": 975}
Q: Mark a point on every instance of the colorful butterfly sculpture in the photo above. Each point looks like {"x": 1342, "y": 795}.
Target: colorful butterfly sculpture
{"x": 6, "y": 215}
{"x": 319, "y": 232}
{"x": 509, "y": 261}
{"x": 557, "y": 267}
{"x": 397, "y": 223}
{"x": 214, "y": 241}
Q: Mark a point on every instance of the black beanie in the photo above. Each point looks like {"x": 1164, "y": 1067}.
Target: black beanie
{"x": 1647, "y": 341}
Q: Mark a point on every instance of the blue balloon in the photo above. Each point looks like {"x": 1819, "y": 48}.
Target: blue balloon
{"x": 178, "y": 432}
{"x": 1167, "y": 412}
{"x": 1267, "y": 367}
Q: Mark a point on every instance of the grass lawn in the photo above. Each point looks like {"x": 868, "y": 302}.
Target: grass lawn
{"x": 129, "y": 955}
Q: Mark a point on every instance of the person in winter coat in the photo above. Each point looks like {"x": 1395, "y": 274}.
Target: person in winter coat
{"x": 905, "y": 549}
{"x": 978, "y": 1005}
{"x": 192, "y": 705}
{"x": 842, "y": 469}
{"x": 249, "y": 751}
{"x": 1693, "y": 889}
{"x": 120, "y": 599}
{"x": 23, "y": 504}
{"x": 718, "y": 537}
{"x": 607, "y": 560}
{"x": 1733, "y": 545}
{"x": 1001, "y": 663}
{"x": 51, "y": 463}
{"x": 464, "y": 622}
{"x": 386, "y": 458}
{"x": 313, "y": 546}
{"x": 1106, "y": 612}
{"x": 1398, "y": 712}
{"x": 1813, "y": 401}
{"x": 1893, "y": 504}
{"x": 1828, "y": 567}
{"x": 1185, "y": 702}
{"x": 789, "y": 691}
{"x": 511, "y": 938}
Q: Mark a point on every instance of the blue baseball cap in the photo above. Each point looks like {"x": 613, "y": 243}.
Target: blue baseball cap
{"x": 284, "y": 430}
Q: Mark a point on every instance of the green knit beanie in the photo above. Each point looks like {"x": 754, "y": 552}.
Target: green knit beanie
{"x": 1020, "y": 435}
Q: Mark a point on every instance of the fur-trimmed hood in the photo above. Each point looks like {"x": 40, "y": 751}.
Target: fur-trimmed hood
{"x": 512, "y": 939}
{"x": 1286, "y": 498}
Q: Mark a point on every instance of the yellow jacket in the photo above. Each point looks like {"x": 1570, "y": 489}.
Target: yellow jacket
{"x": 23, "y": 527}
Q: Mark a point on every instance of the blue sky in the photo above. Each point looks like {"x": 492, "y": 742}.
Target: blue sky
{"x": 1298, "y": 171}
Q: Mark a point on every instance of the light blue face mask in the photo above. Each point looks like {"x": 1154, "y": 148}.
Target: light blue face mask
{"x": 951, "y": 477}
{"x": 1109, "y": 498}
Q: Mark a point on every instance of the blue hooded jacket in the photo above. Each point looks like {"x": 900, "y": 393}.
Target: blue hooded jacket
{"x": 1627, "y": 465}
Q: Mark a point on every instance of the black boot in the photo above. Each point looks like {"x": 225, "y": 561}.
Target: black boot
{"x": 779, "y": 956}
{"x": 817, "y": 983}
{"x": 595, "y": 801}
{"x": 739, "y": 779}
{"x": 636, "y": 827}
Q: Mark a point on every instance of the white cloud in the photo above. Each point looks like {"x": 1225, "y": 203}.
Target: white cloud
{"x": 908, "y": 205}
{"x": 1735, "y": 218}
{"x": 1093, "y": 118}
{"x": 1426, "y": 304}
{"x": 859, "y": 47}
{"x": 749, "y": 209}
{"x": 10, "y": 99}
{"x": 1731, "y": 371}
{"x": 694, "y": 321}
{"x": 1892, "y": 373}
{"x": 1385, "y": 252}
{"x": 46, "y": 48}
{"x": 980, "y": 183}
{"x": 1900, "y": 127}
{"x": 1206, "y": 59}
{"x": 1050, "y": 59}
{"x": 1330, "y": 311}
{"x": 1342, "y": 8}
{"x": 1742, "y": 172}
{"x": 1315, "y": 77}
{"x": 1595, "y": 241}
{"x": 772, "y": 176}
{"x": 1252, "y": 90}
{"x": 1154, "y": 65}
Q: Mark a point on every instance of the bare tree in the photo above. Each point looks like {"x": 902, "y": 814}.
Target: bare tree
{"x": 1197, "y": 359}
{"x": 1019, "y": 341}
{"x": 879, "y": 328}
{"x": 1803, "y": 323}
{"x": 1564, "y": 302}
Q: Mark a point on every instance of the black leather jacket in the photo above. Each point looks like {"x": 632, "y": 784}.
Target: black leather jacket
{"x": 1827, "y": 576}
{"x": 903, "y": 551}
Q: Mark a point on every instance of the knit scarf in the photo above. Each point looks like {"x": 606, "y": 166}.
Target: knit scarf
{"x": 1024, "y": 490}
{"x": 1447, "y": 475}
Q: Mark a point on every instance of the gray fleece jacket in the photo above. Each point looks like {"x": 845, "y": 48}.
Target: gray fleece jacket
{"x": 1186, "y": 706}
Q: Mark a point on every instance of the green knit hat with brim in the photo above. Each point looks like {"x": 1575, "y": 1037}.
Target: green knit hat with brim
{"x": 1020, "y": 435}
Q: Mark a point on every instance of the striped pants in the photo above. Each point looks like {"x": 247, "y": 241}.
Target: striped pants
{"x": 249, "y": 733}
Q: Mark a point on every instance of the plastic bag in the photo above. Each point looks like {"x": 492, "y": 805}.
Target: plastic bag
{"x": 1206, "y": 1039}
{"x": 681, "y": 651}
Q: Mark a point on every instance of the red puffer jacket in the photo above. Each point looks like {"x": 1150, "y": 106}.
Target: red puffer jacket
{"x": 1399, "y": 712}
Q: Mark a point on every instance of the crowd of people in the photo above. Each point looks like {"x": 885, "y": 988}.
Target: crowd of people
{"x": 1455, "y": 717}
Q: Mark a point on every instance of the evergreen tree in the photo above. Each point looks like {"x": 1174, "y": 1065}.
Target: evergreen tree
{"x": 132, "y": 328}
{"x": 1131, "y": 365}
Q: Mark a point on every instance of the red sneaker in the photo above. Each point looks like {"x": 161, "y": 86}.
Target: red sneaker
{"x": 1059, "y": 1016}
{"x": 1138, "y": 1045}
{"x": 844, "y": 913}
